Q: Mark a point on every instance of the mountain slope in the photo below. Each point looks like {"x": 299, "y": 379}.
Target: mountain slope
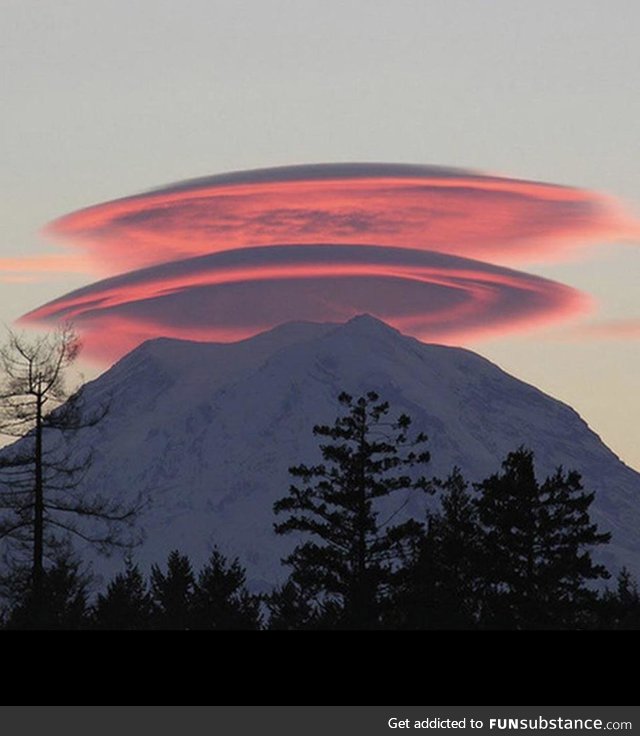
{"x": 208, "y": 432}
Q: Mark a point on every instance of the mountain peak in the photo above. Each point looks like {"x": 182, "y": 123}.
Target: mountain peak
{"x": 208, "y": 431}
{"x": 367, "y": 324}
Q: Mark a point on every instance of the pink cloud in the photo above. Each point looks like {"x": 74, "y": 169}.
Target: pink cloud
{"x": 224, "y": 257}
{"x": 232, "y": 295}
{"x": 425, "y": 208}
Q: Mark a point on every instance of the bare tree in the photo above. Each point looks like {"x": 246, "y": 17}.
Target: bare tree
{"x": 42, "y": 502}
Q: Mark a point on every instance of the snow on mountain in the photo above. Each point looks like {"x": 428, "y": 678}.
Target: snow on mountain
{"x": 208, "y": 432}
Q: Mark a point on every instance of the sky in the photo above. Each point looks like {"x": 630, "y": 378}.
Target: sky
{"x": 104, "y": 100}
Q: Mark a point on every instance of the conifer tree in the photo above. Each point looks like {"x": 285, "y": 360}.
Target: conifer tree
{"x": 291, "y": 609}
{"x": 620, "y": 609}
{"x": 538, "y": 540}
{"x": 352, "y": 561}
{"x": 62, "y": 602}
{"x": 442, "y": 589}
{"x": 221, "y": 599}
{"x": 173, "y": 593}
{"x": 127, "y": 603}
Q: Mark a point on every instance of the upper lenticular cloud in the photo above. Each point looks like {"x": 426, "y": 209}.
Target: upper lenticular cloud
{"x": 427, "y": 208}
{"x": 213, "y": 258}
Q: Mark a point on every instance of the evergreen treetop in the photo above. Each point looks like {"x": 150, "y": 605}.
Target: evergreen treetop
{"x": 351, "y": 561}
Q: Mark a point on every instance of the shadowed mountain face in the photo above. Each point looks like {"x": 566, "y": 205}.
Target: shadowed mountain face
{"x": 208, "y": 432}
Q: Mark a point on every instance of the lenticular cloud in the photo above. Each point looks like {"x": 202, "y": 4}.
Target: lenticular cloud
{"x": 424, "y": 248}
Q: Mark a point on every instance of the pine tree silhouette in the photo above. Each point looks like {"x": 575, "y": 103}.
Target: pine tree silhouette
{"x": 352, "y": 563}
{"x": 442, "y": 586}
{"x": 221, "y": 600}
{"x": 620, "y": 609}
{"x": 290, "y": 608}
{"x": 62, "y": 601}
{"x": 173, "y": 593}
{"x": 127, "y": 603}
{"x": 537, "y": 540}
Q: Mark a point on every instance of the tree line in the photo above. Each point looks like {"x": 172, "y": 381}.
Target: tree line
{"x": 510, "y": 552}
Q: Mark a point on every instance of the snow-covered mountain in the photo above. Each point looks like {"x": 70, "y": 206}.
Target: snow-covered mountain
{"x": 208, "y": 432}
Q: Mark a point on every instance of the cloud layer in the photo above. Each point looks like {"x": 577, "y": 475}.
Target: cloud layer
{"x": 227, "y": 256}
{"x": 235, "y": 294}
{"x": 442, "y": 210}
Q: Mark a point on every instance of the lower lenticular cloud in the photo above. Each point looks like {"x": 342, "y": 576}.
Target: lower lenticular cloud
{"x": 213, "y": 258}
{"x": 236, "y": 294}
